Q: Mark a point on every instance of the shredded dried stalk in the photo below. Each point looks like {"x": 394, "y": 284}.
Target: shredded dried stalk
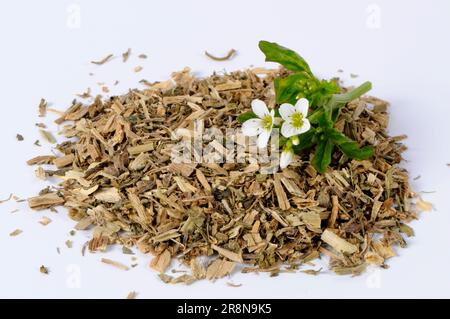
{"x": 114, "y": 263}
{"x": 228, "y": 56}
{"x": 104, "y": 60}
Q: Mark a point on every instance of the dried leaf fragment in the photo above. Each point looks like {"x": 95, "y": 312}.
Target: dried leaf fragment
{"x": 68, "y": 243}
{"x": 45, "y": 221}
{"x": 138, "y": 69}
{"x": 42, "y": 108}
{"x": 15, "y": 233}
{"x": 19, "y": 137}
{"x": 43, "y": 270}
{"x": 126, "y": 55}
{"x": 219, "y": 268}
{"x": 46, "y": 135}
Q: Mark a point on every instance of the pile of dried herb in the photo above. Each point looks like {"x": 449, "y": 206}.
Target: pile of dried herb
{"x": 118, "y": 181}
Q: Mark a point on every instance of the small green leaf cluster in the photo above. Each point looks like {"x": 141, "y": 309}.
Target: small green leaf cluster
{"x": 325, "y": 99}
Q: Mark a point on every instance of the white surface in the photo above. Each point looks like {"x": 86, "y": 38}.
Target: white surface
{"x": 405, "y": 55}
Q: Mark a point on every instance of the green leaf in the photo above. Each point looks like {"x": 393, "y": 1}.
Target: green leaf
{"x": 323, "y": 93}
{"x": 246, "y": 116}
{"x": 350, "y": 148}
{"x": 322, "y": 157}
{"x": 286, "y": 57}
{"x": 307, "y": 140}
{"x": 293, "y": 87}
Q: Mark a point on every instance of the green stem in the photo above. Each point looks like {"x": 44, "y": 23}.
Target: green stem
{"x": 350, "y": 96}
{"x": 337, "y": 100}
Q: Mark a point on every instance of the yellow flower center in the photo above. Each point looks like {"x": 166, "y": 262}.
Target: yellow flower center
{"x": 267, "y": 122}
{"x": 297, "y": 120}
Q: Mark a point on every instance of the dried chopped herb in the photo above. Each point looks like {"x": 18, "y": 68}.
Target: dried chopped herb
{"x": 138, "y": 69}
{"x": 228, "y": 56}
{"x": 119, "y": 184}
{"x": 19, "y": 137}
{"x": 131, "y": 295}
{"x": 104, "y": 60}
{"x": 142, "y": 56}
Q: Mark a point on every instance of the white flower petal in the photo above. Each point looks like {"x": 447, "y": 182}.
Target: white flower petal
{"x": 286, "y": 110}
{"x": 287, "y": 130}
{"x": 286, "y": 158}
{"x": 259, "y": 108}
{"x": 263, "y": 139}
{"x": 252, "y": 127}
{"x": 306, "y": 126}
{"x": 302, "y": 106}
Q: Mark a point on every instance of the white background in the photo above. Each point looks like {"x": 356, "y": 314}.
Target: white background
{"x": 401, "y": 46}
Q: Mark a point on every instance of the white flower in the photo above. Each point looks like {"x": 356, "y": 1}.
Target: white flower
{"x": 261, "y": 126}
{"x": 295, "y": 121}
{"x": 287, "y": 155}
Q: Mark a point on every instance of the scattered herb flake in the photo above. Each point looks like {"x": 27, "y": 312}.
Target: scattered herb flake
{"x": 228, "y": 56}
{"x": 16, "y": 233}
{"x": 104, "y": 60}
{"x": 126, "y": 55}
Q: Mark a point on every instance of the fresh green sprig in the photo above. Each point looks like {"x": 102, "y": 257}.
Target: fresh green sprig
{"x": 325, "y": 100}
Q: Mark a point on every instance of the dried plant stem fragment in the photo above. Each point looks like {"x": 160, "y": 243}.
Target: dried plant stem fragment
{"x": 228, "y": 254}
{"x": 64, "y": 161}
{"x": 423, "y": 206}
{"x": 339, "y": 244}
{"x": 42, "y": 159}
{"x": 334, "y": 211}
{"x": 46, "y": 135}
{"x": 114, "y": 263}
{"x": 45, "y": 201}
{"x": 226, "y": 57}
{"x": 161, "y": 262}
{"x": 104, "y": 60}
{"x": 42, "y": 108}
{"x": 7, "y": 199}
{"x": 283, "y": 201}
